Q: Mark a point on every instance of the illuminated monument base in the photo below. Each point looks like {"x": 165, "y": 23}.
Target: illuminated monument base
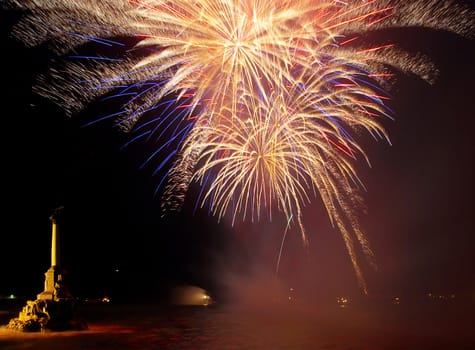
{"x": 54, "y": 308}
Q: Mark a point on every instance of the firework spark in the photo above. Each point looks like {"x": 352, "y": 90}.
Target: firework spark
{"x": 259, "y": 101}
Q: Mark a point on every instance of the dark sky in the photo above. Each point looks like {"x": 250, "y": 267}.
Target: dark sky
{"x": 420, "y": 196}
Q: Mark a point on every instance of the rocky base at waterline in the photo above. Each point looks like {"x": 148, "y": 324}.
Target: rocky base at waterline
{"x": 47, "y": 315}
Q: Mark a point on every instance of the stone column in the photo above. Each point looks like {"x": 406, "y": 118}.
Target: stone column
{"x": 54, "y": 243}
{"x": 52, "y": 276}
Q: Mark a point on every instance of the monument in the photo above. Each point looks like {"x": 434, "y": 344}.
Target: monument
{"x": 54, "y": 308}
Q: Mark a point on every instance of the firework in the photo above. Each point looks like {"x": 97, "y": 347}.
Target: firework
{"x": 261, "y": 102}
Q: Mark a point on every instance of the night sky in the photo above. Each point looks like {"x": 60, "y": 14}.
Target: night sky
{"x": 419, "y": 198}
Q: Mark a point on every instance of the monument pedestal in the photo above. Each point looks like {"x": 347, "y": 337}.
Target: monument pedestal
{"x": 51, "y": 276}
